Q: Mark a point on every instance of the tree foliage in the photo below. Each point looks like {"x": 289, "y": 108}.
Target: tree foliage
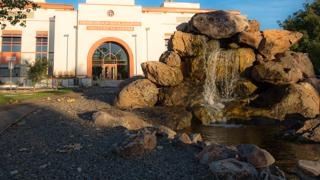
{"x": 15, "y": 11}
{"x": 38, "y": 71}
{"x": 307, "y": 21}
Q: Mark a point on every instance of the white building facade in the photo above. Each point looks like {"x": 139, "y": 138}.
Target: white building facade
{"x": 103, "y": 39}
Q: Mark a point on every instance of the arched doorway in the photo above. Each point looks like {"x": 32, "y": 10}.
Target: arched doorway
{"x": 110, "y": 59}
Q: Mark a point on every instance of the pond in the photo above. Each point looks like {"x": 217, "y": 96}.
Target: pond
{"x": 286, "y": 153}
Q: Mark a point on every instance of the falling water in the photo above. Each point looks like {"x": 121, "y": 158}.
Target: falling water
{"x": 222, "y": 74}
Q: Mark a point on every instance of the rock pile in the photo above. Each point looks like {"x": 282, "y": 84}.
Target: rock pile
{"x": 220, "y": 66}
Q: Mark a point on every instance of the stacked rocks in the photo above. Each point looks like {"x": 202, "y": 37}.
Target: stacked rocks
{"x": 273, "y": 82}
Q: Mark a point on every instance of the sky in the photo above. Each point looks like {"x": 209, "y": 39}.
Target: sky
{"x": 268, "y": 12}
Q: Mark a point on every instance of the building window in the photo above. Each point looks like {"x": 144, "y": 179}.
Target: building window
{"x": 11, "y": 43}
{"x": 167, "y": 37}
{"x": 42, "y": 46}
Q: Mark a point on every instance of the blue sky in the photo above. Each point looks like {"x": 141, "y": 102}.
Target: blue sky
{"x": 268, "y": 12}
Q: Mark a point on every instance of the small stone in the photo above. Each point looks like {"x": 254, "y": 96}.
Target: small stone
{"x": 71, "y": 100}
{"x": 159, "y": 147}
{"x": 43, "y": 166}
{"x": 311, "y": 168}
{"x": 79, "y": 169}
{"x": 48, "y": 98}
{"x": 23, "y": 149}
{"x": 196, "y": 138}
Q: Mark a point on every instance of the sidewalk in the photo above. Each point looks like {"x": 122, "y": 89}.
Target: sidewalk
{"x": 11, "y": 114}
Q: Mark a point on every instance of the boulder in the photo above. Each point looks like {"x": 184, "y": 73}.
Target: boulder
{"x": 254, "y": 26}
{"x": 216, "y": 152}
{"x": 115, "y": 118}
{"x": 296, "y": 100}
{"x": 277, "y": 41}
{"x": 311, "y": 168}
{"x": 310, "y": 130}
{"x": 186, "y": 44}
{"x": 219, "y": 24}
{"x": 252, "y": 39}
{"x": 229, "y": 169}
{"x": 247, "y": 57}
{"x": 245, "y": 88}
{"x": 272, "y": 173}
{"x": 140, "y": 93}
{"x": 256, "y": 156}
{"x": 162, "y": 74}
{"x": 315, "y": 82}
{"x": 207, "y": 115}
{"x": 128, "y": 81}
{"x": 276, "y": 73}
{"x": 137, "y": 145}
{"x": 185, "y": 94}
{"x": 176, "y": 118}
{"x": 171, "y": 59}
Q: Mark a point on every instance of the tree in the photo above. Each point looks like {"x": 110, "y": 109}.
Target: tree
{"x": 15, "y": 11}
{"x": 38, "y": 71}
{"x": 307, "y": 21}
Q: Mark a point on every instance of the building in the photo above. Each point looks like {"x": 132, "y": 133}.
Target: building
{"x": 102, "y": 39}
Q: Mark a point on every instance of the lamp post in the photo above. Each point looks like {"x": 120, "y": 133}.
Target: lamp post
{"x": 67, "y": 55}
{"x": 135, "y": 53}
{"x": 147, "y": 41}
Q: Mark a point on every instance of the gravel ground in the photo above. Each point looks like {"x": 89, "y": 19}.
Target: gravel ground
{"x": 59, "y": 141}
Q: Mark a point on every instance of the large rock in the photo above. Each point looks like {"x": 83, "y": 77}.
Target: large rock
{"x": 288, "y": 68}
{"x": 207, "y": 115}
{"x": 315, "y": 82}
{"x": 137, "y": 145}
{"x": 277, "y": 41}
{"x": 230, "y": 169}
{"x": 311, "y": 168}
{"x": 186, "y": 44}
{"x": 176, "y": 118}
{"x": 162, "y": 74}
{"x": 245, "y": 88}
{"x": 247, "y": 57}
{"x": 171, "y": 59}
{"x": 140, "y": 93}
{"x": 310, "y": 130}
{"x": 293, "y": 100}
{"x": 185, "y": 94}
{"x": 115, "y": 118}
{"x": 219, "y": 24}
{"x": 256, "y": 156}
{"x": 128, "y": 81}
{"x": 252, "y": 39}
{"x": 216, "y": 152}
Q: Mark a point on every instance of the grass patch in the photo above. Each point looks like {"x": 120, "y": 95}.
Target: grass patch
{"x": 10, "y": 98}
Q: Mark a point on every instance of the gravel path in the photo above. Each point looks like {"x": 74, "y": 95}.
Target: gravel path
{"x": 59, "y": 141}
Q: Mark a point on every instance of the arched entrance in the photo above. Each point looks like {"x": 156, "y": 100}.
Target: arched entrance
{"x": 110, "y": 59}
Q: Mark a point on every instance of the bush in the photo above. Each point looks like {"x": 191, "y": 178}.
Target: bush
{"x": 38, "y": 71}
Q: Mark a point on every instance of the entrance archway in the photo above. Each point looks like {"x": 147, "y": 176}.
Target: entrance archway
{"x": 110, "y": 59}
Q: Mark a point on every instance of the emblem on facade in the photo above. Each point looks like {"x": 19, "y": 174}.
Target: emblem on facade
{"x": 110, "y": 13}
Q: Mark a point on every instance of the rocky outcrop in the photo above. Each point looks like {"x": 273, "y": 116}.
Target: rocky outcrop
{"x": 171, "y": 58}
{"x": 138, "y": 144}
{"x": 277, "y": 41}
{"x": 186, "y": 44}
{"x": 140, "y": 93}
{"x": 219, "y": 24}
{"x": 162, "y": 74}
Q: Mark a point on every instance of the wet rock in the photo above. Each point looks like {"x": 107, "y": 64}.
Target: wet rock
{"x": 277, "y": 41}
{"x": 229, "y": 169}
{"x": 176, "y": 118}
{"x": 216, "y": 152}
{"x": 187, "y": 45}
{"x": 311, "y": 168}
{"x": 207, "y": 115}
{"x": 140, "y": 93}
{"x": 219, "y": 24}
{"x": 310, "y": 131}
{"x": 162, "y": 74}
{"x": 171, "y": 59}
{"x": 117, "y": 118}
{"x": 256, "y": 156}
{"x": 137, "y": 145}
{"x": 245, "y": 88}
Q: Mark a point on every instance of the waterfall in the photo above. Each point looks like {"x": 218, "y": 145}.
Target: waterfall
{"x": 222, "y": 74}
